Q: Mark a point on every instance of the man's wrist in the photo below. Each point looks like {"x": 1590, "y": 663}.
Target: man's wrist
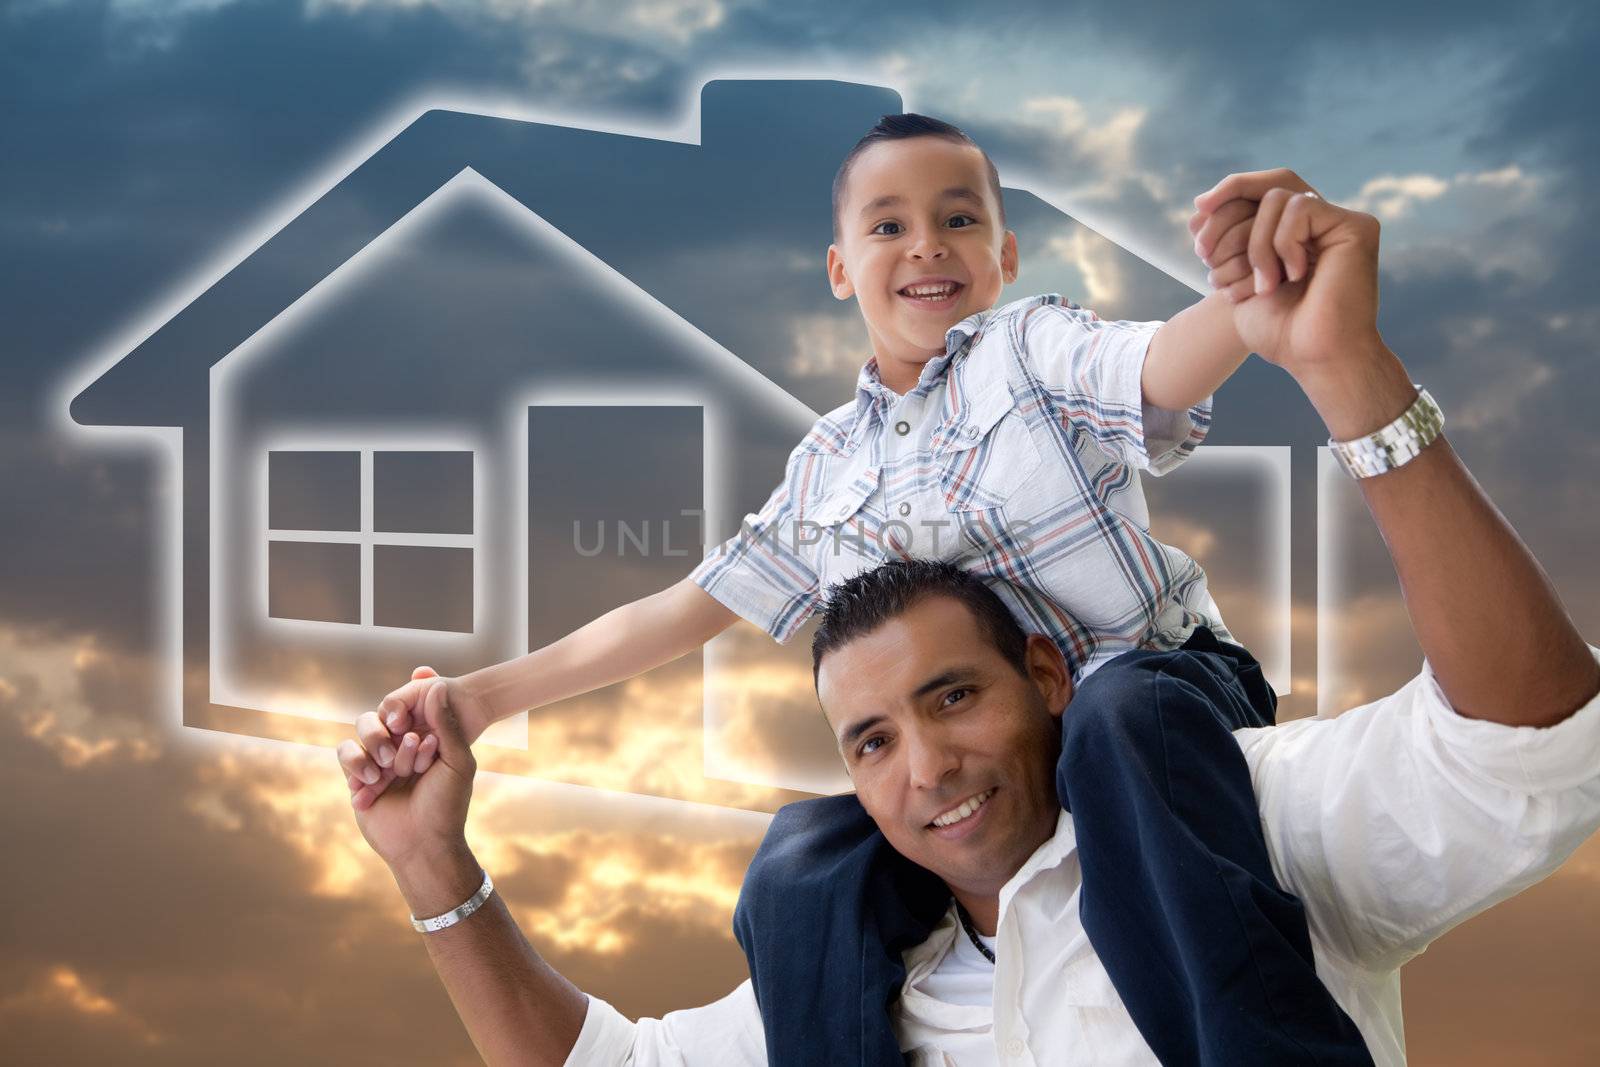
{"x": 435, "y": 879}
{"x": 1359, "y": 392}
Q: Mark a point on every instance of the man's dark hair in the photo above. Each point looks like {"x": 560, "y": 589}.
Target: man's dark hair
{"x": 898, "y": 128}
{"x": 859, "y": 605}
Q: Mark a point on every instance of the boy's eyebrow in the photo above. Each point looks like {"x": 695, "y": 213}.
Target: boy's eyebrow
{"x": 955, "y": 192}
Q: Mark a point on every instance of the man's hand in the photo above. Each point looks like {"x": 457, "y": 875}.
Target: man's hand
{"x": 394, "y": 742}
{"x": 428, "y": 815}
{"x": 1263, "y": 233}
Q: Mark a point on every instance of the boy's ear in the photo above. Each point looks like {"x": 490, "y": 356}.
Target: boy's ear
{"x": 1010, "y": 262}
{"x": 838, "y": 280}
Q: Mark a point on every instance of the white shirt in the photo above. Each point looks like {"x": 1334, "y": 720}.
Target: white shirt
{"x": 1392, "y": 823}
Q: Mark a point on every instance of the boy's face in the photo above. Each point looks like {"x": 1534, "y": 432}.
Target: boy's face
{"x": 884, "y": 247}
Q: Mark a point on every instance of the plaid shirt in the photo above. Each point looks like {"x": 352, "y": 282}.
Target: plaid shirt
{"x": 1015, "y": 456}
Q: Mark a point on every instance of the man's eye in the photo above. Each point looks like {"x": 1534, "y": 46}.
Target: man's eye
{"x": 957, "y": 694}
{"x": 881, "y": 225}
{"x": 865, "y": 750}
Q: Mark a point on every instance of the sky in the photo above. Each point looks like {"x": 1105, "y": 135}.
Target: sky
{"x": 192, "y": 893}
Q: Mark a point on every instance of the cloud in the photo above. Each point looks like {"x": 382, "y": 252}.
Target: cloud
{"x": 679, "y": 22}
{"x": 827, "y": 344}
{"x": 1392, "y": 197}
{"x": 1110, "y": 143}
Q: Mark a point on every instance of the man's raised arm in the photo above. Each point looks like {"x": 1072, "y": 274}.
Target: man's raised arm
{"x": 515, "y": 1006}
{"x": 1493, "y": 629}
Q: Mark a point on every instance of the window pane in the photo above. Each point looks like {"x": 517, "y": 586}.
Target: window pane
{"x": 422, "y": 492}
{"x": 423, "y": 587}
{"x": 314, "y": 581}
{"x": 314, "y": 490}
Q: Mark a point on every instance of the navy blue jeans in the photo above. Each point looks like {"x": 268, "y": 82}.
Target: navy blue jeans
{"x": 1209, "y": 954}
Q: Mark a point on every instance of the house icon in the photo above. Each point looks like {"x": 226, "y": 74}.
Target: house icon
{"x": 446, "y": 416}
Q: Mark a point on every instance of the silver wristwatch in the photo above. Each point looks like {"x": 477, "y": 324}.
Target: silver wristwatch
{"x": 455, "y": 915}
{"x": 1395, "y": 444}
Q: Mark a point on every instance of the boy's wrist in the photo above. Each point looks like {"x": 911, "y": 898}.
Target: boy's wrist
{"x": 476, "y": 707}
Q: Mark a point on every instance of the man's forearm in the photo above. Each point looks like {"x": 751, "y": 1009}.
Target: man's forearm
{"x": 1192, "y": 354}
{"x": 515, "y": 1006}
{"x": 1488, "y": 619}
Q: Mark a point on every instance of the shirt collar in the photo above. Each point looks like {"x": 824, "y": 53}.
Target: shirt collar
{"x": 923, "y": 958}
{"x": 957, "y": 343}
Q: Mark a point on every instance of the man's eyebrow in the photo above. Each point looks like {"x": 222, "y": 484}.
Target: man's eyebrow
{"x": 938, "y": 681}
{"x": 955, "y": 192}
{"x": 855, "y": 730}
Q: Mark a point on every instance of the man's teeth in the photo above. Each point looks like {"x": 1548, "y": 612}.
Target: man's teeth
{"x": 930, "y": 292}
{"x": 955, "y": 816}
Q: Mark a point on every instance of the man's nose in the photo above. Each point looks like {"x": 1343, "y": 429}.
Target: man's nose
{"x": 931, "y": 760}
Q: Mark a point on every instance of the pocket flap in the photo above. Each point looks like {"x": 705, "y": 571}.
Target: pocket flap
{"x": 840, "y": 503}
{"x": 983, "y": 411}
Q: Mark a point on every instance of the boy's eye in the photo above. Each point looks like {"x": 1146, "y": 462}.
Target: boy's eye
{"x": 879, "y": 227}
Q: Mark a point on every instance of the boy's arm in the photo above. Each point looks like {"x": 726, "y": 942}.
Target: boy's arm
{"x": 1192, "y": 354}
{"x": 761, "y": 572}
{"x": 620, "y": 644}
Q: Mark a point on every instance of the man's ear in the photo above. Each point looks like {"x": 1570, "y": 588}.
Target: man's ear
{"x": 838, "y": 280}
{"x": 1047, "y": 669}
{"x": 1010, "y": 261}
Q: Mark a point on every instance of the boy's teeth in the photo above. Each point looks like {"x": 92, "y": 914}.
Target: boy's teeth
{"x": 964, "y": 810}
{"x": 929, "y": 290}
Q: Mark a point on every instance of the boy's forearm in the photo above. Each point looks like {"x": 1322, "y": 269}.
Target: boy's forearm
{"x": 1192, "y": 354}
{"x": 515, "y": 1006}
{"x": 620, "y": 644}
{"x": 1489, "y": 621}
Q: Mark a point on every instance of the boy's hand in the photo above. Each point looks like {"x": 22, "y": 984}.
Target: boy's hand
{"x": 395, "y": 742}
{"x": 1311, "y": 293}
{"x": 1222, "y": 222}
{"x": 430, "y": 816}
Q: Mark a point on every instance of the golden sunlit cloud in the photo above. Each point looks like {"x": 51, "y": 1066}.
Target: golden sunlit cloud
{"x": 60, "y": 989}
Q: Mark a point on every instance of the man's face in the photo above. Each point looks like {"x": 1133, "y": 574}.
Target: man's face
{"x": 929, "y": 716}
{"x": 884, "y": 247}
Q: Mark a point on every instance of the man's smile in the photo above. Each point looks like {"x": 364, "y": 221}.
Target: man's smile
{"x": 964, "y": 817}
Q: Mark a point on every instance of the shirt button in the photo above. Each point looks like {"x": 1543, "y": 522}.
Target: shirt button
{"x": 972, "y": 431}
{"x": 1014, "y": 1047}
{"x": 905, "y": 509}
{"x": 902, "y": 427}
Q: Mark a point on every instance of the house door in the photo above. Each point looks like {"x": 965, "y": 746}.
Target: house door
{"x": 614, "y": 508}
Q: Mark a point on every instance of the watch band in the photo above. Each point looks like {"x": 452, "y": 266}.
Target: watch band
{"x": 1394, "y": 445}
{"x": 455, "y": 915}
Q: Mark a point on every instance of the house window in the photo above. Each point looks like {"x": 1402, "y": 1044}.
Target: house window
{"x": 371, "y": 538}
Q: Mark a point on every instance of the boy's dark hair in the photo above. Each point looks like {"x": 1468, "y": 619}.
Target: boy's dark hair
{"x": 861, "y": 604}
{"x": 898, "y": 128}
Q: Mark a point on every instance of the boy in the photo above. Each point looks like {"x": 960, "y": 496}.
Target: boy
{"x": 1006, "y": 440}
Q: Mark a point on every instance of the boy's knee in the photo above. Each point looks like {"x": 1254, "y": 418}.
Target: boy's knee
{"x": 1115, "y": 704}
{"x": 809, "y": 841}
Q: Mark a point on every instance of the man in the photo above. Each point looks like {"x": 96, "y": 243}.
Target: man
{"x": 1391, "y": 823}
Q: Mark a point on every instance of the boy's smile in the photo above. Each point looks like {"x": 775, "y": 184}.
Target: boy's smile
{"x": 918, "y": 217}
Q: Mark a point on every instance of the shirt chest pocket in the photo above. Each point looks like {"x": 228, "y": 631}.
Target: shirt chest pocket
{"x": 987, "y": 455}
{"x": 848, "y": 490}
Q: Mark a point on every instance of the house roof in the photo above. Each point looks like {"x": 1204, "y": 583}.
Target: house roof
{"x": 560, "y": 172}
